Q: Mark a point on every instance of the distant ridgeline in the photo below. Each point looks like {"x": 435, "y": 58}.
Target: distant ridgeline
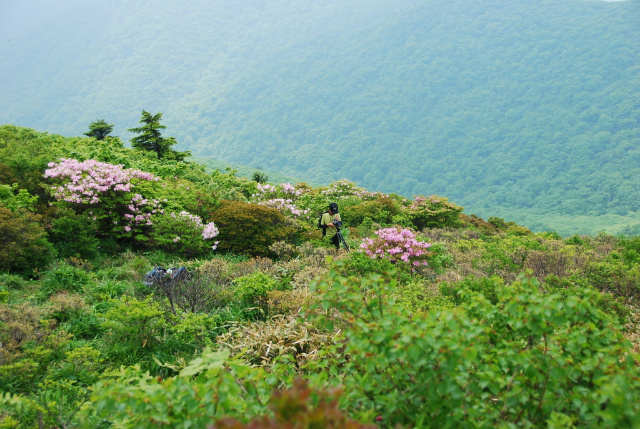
{"x": 524, "y": 110}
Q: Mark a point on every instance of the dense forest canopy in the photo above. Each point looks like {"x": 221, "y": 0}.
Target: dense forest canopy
{"x": 526, "y": 110}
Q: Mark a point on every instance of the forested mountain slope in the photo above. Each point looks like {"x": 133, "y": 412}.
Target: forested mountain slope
{"x": 518, "y": 109}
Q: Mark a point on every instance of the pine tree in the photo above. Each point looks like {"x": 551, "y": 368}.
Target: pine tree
{"x": 150, "y": 138}
{"x": 99, "y": 129}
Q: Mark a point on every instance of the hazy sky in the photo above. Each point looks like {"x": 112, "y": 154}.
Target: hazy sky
{"x": 17, "y": 16}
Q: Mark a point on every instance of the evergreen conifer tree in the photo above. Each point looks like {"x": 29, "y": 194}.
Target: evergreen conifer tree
{"x": 150, "y": 138}
{"x": 99, "y": 129}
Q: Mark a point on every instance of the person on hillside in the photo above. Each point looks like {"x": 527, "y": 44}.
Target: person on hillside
{"x": 327, "y": 222}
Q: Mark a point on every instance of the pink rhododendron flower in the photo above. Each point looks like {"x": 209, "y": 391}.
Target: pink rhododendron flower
{"x": 397, "y": 245}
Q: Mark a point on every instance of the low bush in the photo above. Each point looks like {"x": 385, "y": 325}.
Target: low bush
{"x": 251, "y": 290}
{"x": 74, "y": 235}
{"x": 65, "y": 277}
{"x": 251, "y": 228}
{"x": 182, "y": 233}
{"x": 24, "y": 246}
{"x": 430, "y": 212}
{"x": 381, "y": 211}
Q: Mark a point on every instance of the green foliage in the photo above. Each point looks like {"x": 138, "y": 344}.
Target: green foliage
{"x": 134, "y": 329}
{"x": 431, "y": 212}
{"x": 259, "y": 177}
{"x": 179, "y": 233}
{"x": 99, "y": 129}
{"x": 500, "y": 255}
{"x": 614, "y": 276}
{"x": 65, "y": 277}
{"x": 209, "y": 387}
{"x": 252, "y": 290}
{"x": 360, "y": 265}
{"x": 251, "y": 228}
{"x": 421, "y": 297}
{"x": 381, "y": 211}
{"x": 14, "y": 198}
{"x": 26, "y": 153}
{"x": 525, "y": 360}
{"x": 143, "y": 331}
{"x": 470, "y": 287}
{"x": 12, "y": 281}
{"x": 74, "y": 235}
{"x": 24, "y": 246}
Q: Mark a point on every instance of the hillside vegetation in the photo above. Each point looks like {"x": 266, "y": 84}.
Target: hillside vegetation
{"x": 527, "y": 111}
{"x": 434, "y": 319}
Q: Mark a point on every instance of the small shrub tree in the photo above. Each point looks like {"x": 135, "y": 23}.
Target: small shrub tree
{"x": 23, "y": 245}
{"x": 251, "y": 228}
{"x": 432, "y": 212}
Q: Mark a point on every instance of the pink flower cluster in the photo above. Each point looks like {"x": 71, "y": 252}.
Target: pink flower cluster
{"x": 397, "y": 245}
{"x": 345, "y": 188}
{"x": 289, "y": 189}
{"x": 281, "y": 197}
{"x": 107, "y": 188}
{"x": 209, "y": 230}
{"x": 284, "y": 205}
{"x": 84, "y": 181}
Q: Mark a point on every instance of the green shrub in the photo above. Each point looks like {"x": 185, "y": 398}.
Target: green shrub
{"x": 208, "y": 388}
{"x": 134, "y": 330}
{"x": 459, "y": 292}
{"x": 13, "y": 281}
{"x": 23, "y": 246}
{"x": 381, "y": 211}
{"x": 65, "y": 277}
{"x": 529, "y": 360}
{"x": 358, "y": 264}
{"x": 614, "y": 276}
{"x": 251, "y": 228}
{"x": 606, "y": 302}
{"x": 432, "y": 212}
{"x": 252, "y": 290}
{"x": 74, "y": 235}
{"x": 181, "y": 233}
{"x": 422, "y": 297}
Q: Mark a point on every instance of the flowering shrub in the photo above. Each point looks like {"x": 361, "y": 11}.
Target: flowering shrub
{"x": 282, "y": 197}
{"x": 397, "y": 245}
{"x": 184, "y": 233}
{"x": 105, "y": 193}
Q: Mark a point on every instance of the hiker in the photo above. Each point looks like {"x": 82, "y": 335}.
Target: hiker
{"x": 327, "y": 221}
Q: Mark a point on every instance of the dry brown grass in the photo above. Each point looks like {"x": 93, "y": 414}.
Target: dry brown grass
{"x": 262, "y": 342}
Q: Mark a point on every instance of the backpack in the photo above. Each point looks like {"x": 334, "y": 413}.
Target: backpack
{"x": 153, "y": 276}
{"x": 320, "y": 225}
